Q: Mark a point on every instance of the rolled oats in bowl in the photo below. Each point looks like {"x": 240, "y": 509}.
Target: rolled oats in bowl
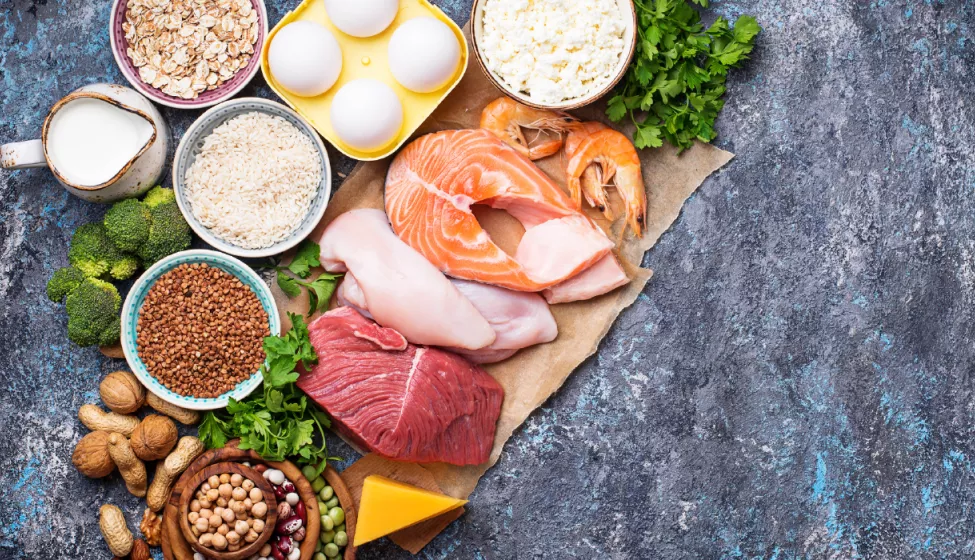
{"x": 186, "y": 47}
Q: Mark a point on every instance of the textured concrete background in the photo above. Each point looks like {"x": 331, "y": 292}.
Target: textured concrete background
{"x": 796, "y": 381}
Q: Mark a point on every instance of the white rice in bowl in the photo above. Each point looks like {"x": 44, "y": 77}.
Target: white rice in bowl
{"x": 254, "y": 180}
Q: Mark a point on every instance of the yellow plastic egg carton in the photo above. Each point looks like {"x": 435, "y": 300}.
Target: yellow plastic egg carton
{"x": 366, "y": 58}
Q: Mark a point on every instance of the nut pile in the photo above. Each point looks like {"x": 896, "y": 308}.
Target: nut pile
{"x": 227, "y": 512}
{"x": 201, "y": 331}
{"x": 186, "y": 47}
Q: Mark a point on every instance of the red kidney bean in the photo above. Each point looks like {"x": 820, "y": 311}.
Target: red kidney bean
{"x": 288, "y": 526}
{"x": 288, "y": 487}
{"x": 285, "y": 544}
{"x": 284, "y": 510}
{"x": 300, "y": 512}
{"x": 260, "y": 467}
{"x": 279, "y": 492}
{"x": 277, "y": 554}
{"x": 299, "y": 535}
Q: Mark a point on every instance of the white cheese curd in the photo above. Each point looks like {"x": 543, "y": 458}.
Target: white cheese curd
{"x": 553, "y": 50}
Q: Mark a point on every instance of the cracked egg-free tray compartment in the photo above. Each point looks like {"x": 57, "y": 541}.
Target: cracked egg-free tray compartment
{"x": 366, "y": 58}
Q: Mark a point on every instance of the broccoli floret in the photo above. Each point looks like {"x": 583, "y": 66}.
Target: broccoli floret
{"x": 159, "y": 195}
{"x": 95, "y": 255}
{"x": 127, "y": 224}
{"x": 168, "y": 233}
{"x": 93, "y": 313}
{"x": 62, "y": 282}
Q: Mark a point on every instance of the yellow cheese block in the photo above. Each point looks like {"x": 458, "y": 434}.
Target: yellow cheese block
{"x": 388, "y": 506}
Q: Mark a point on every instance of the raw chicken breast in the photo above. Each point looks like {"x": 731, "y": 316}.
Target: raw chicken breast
{"x": 519, "y": 319}
{"x": 399, "y": 288}
{"x": 604, "y": 277}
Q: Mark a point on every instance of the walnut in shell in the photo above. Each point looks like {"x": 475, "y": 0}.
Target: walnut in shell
{"x": 154, "y": 437}
{"x": 91, "y": 456}
{"x": 121, "y": 392}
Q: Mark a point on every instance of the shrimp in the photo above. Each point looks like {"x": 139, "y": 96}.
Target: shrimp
{"x": 505, "y": 118}
{"x": 616, "y": 157}
{"x": 592, "y": 183}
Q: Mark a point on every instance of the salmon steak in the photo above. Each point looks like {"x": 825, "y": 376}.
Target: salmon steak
{"x": 432, "y": 185}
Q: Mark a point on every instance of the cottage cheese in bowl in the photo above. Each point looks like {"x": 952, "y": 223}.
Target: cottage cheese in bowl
{"x": 552, "y": 51}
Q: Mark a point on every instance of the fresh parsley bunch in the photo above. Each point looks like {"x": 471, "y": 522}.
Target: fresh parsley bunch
{"x": 280, "y": 421}
{"x": 673, "y": 89}
{"x": 320, "y": 290}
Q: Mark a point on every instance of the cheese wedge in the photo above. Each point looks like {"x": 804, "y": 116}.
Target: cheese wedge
{"x": 388, "y": 506}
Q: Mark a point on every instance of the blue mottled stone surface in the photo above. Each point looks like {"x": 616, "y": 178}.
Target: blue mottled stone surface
{"x": 795, "y": 382}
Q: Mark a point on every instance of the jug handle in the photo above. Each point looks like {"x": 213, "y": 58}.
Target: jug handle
{"x": 21, "y": 155}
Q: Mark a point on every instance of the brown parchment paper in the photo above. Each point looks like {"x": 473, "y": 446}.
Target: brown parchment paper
{"x": 534, "y": 374}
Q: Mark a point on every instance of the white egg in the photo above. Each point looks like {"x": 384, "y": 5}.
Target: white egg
{"x": 423, "y": 54}
{"x": 367, "y": 114}
{"x": 362, "y": 18}
{"x": 305, "y": 58}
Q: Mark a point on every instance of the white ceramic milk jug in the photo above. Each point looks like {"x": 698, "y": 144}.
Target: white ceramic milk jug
{"x": 103, "y": 142}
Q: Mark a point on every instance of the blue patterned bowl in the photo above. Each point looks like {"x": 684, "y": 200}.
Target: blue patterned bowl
{"x": 192, "y": 143}
{"x": 133, "y": 305}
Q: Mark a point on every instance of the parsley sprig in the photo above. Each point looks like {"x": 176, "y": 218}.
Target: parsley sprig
{"x": 279, "y": 422}
{"x": 320, "y": 289}
{"x": 673, "y": 89}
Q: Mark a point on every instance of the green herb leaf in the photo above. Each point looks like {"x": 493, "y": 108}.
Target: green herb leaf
{"x": 673, "y": 88}
{"x": 288, "y": 285}
{"x": 306, "y": 258}
{"x": 278, "y": 422}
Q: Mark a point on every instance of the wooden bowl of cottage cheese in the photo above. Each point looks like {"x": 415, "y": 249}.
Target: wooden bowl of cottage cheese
{"x": 552, "y": 57}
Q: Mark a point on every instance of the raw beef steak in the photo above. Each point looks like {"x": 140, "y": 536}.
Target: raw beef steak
{"x": 405, "y": 402}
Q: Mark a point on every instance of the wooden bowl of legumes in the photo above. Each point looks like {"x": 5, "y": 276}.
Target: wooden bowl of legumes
{"x": 228, "y": 511}
{"x": 571, "y": 66}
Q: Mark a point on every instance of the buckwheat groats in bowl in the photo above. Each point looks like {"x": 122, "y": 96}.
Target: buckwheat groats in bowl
{"x": 200, "y": 331}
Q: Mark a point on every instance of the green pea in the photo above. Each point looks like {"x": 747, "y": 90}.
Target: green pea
{"x": 327, "y": 537}
{"x": 318, "y": 484}
{"x": 341, "y": 538}
{"x": 318, "y": 546}
{"x": 340, "y": 528}
{"x": 329, "y": 504}
{"x": 326, "y": 493}
{"x": 331, "y": 550}
{"x": 318, "y": 556}
{"x": 308, "y": 471}
{"x": 327, "y": 522}
{"x": 337, "y": 514}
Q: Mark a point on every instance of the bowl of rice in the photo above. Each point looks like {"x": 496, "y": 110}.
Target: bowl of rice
{"x": 252, "y": 177}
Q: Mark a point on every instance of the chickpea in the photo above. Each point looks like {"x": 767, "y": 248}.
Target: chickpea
{"x": 228, "y": 515}
{"x": 219, "y": 542}
{"x": 206, "y": 539}
{"x": 218, "y": 510}
{"x": 236, "y": 480}
{"x": 195, "y": 506}
{"x": 201, "y": 524}
{"x": 239, "y": 508}
{"x": 223, "y": 529}
{"x": 222, "y": 502}
{"x": 213, "y": 494}
{"x": 196, "y": 532}
{"x": 256, "y": 495}
{"x": 205, "y": 503}
{"x": 248, "y": 503}
{"x": 225, "y": 490}
{"x": 233, "y": 537}
{"x": 265, "y": 550}
{"x": 233, "y": 548}
{"x": 213, "y": 481}
{"x": 259, "y": 510}
{"x": 248, "y": 484}
{"x": 193, "y": 516}
{"x": 258, "y": 525}
{"x": 251, "y": 536}
{"x": 215, "y": 521}
{"x": 239, "y": 494}
{"x": 241, "y": 527}
{"x": 225, "y": 478}
{"x": 206, "y": 513}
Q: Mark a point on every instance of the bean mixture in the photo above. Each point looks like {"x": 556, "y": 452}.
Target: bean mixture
{"x": 201, "y": 331}
{"x": 228, "y": 512}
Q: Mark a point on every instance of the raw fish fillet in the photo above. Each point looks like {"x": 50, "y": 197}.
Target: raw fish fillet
{"x": 434, "y": 181}
{"x": 602, "y": 278}
{"x": 401, "y": 401}
{"x": 397, "y": 286}
{"x": 519, "y": 319}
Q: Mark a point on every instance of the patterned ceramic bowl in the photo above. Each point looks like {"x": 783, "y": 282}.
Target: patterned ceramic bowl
{"x": 192, "y": 143}
{"x": 209, "y": 98}
{"x": 133, "y": 305}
